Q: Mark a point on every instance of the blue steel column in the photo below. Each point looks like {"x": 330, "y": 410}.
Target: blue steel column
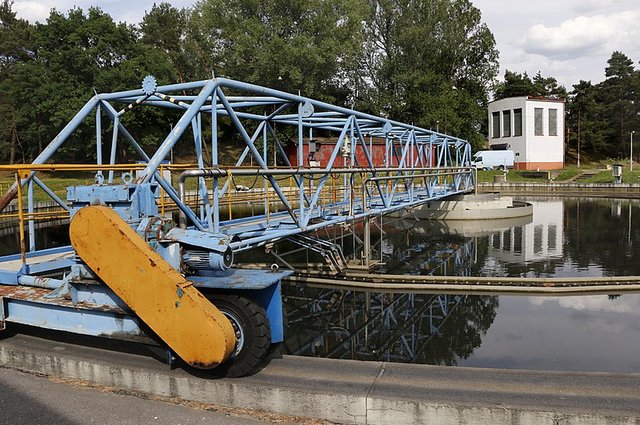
{"x": 264, "y": 182}
{"x": 214, "y": 162}
{"x": 114, "y": 145}
{"x": 30, "y": 209}
{"x": 205, "y": 209}
{"x": 99, "y": 137}
{"x": 300, "y": 160}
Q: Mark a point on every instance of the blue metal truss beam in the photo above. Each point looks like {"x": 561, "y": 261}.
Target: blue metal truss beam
{"x": 409, "y": 148}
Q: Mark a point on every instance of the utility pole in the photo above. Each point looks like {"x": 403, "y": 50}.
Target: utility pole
{"x": 631, "y": 152}
{"x": 579, "y": 116}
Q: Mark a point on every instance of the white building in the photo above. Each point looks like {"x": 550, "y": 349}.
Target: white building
{"x": 532, "y": 127}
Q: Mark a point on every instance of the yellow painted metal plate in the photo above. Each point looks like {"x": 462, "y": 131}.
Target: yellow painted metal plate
{"x": 168, "y": 303}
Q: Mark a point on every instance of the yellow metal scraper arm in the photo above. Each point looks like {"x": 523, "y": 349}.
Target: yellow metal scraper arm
{"x": 163, "y": 299}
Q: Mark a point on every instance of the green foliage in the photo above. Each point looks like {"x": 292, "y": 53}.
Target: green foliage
{"x": 428, "y": 62}
{"x": 516, "y": 84}
{"x": 567, "y": 174}
{"x": 431, "y": 63}
{"x": 294, "y": 45}
{"x": 601, "y": 117}
{"x": 619, "y": 98}
{"x": 604, "y": 176}
{"x": 585, "y": 119}
{"x": 164, "y": 30}
{"x": 70, "y": 57}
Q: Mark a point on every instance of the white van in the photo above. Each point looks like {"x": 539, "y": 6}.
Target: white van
{"x": 489, "y": 160}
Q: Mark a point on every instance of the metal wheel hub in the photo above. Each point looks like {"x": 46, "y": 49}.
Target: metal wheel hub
{"x": 237, "y": 330}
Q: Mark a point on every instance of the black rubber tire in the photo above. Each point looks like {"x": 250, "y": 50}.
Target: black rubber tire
{"x": 501, "y": 167}
{"x": 252, "y": 325}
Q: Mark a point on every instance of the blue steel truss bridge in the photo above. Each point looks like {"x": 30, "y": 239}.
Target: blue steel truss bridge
{"x": 289, "y": 200}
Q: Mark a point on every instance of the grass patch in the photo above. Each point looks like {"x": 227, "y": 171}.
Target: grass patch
{"x": 605, "y": 176}
{"x": 568, "y": 174}
{"x": 486, "y": 176}
{"x": 630, "y": 176}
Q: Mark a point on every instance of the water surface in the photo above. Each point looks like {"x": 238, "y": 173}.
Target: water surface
{"x": 564, "y": 237}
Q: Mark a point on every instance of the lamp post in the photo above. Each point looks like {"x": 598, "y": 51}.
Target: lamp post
{"x": 631, "y": 153}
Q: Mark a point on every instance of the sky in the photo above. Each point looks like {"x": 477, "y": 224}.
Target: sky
{"x": 570, "y": 40}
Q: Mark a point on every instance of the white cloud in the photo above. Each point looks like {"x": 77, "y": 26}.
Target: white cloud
{"x": 584, "y": 36}
{"x": 569, "y": 40}
{"x": 33, "y": 11}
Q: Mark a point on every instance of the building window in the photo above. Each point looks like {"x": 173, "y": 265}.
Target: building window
{"x": 495, "y": 118}
{"x": 517, "y": 122}
{"x": 553, "y": 122}
{"x": 537, "y": 124}
{"x": 506, "y": 123}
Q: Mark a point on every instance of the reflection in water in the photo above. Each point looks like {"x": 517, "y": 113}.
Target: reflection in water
{"x": 409, "y": 328}
{"x": 565, "y": 237}
{"x": 49, "y": 235}
{"x": 589, "y": 333}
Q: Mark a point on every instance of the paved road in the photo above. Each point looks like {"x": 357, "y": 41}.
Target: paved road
{"x": 28, "y": 399}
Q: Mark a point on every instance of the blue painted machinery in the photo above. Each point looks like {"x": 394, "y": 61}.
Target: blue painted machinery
{"x": 89, "y": 288}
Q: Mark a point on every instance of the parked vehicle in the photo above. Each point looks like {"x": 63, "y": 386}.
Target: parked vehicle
{"x": 489, "y": 160}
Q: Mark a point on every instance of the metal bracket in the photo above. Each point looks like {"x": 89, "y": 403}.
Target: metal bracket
{"x": 2, "y": 324}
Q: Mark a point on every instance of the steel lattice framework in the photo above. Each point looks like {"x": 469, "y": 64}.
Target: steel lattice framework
{"x": 419, "y": 164}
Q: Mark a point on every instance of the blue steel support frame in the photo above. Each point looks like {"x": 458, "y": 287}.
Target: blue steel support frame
{"x": 424, "y": 164}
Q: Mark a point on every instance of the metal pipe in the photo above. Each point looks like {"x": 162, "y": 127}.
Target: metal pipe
{"x": 39, "y": 282}
{"x": 434, "y": 285}
{"x": 315, "y": 171}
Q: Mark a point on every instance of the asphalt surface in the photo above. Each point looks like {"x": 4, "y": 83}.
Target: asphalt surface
{"x": 29, "y": 399}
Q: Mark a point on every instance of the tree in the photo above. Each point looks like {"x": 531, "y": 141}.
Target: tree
{"x": 619, "y": 100}
{"x": 585, "y": 118}
{"x": 73, "y": 55}
{"x": 15, "y": 37}
{"x": 294, "y": 45}
{"x": 516, "y": 84}
{"x": 428, "y": 62}
{"x": 15, "y": 47}
{"x": 548, "y": 87}
{"x": 164, "y": 29}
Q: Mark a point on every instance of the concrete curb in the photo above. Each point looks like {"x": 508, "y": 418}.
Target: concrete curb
{"x": 597, "y": 190}
{"x": 350, "y": 391}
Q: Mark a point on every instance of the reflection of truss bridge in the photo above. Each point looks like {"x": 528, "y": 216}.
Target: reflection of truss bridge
{"x": 433, "y": 256}
{"x": 365, "y": 325}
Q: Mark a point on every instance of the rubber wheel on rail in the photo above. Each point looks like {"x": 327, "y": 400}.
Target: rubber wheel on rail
{"x": 253, "y": 334}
